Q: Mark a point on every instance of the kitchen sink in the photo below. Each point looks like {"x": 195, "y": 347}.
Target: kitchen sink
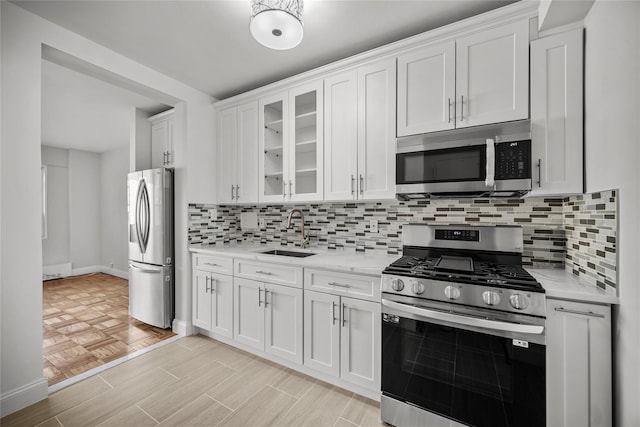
{"x": 282, "y": 252}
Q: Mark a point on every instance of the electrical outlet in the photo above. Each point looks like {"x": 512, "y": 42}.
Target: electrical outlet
{"x": 262, "y": 223}
{"x": 373, "y": 226}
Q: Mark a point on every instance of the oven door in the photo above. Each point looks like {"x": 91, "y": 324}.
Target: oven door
{"x": 466, "y": 368}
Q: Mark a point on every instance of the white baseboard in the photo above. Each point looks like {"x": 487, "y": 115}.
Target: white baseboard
{"x": 100, "y": 269}
{"x": 56, "y": 271}
{"x": 21, "y": 397}
{"x": 115, "y": 272}
{"x": 182, "y": 328}
{"x": 87, "y": 270}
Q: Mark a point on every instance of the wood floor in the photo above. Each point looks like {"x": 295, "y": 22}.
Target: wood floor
{"x": 196, "y": 381}
{"x": 86, "y": 324}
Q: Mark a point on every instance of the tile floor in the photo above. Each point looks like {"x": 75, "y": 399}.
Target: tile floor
{"x": 197, "y": 381}
{"x": 86, "y": 324}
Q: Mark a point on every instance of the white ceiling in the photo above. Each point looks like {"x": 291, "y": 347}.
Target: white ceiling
{"x": 85, "y": 113}
{"x": 207, "y": 45}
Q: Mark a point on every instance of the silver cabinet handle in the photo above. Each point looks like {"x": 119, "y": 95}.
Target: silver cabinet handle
{"x": 342, "y": 285}
{"x": 259, "y": 296}
{"x": 169, "y": 154}
{"x": 344, "y": 316}
{"x": 268, "y": 273}
{"x": 284, "y": 188}
{"x": 449, "y": 110}
{"x": 266, "y": 303}
{"x": 164, "y": 157}
{"x": 237, "y": 192}
{"x": 353, "y": 183}
{"x": 206, "y": 280}
{"x": 361, "y": 184}
{"x": 333, "y": 312}
{"x": 212, "y": 289}
{"x": 582, "y": 313}
{"x": 211, "y": 264}
{"x": 539, "y": 173}
{"x": 461, "y": 108}
{"x": 290, "y": 188}
{"x": 232, "y": 195}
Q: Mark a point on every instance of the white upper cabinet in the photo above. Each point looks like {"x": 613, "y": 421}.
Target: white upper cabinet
{"x": 162, "y": 139}
{"x": 306, "y": 142}
{"x": 426, "y": 89}
{"x": 557, "y": 114}
{"x": 291, "y": 145}
{"x": 478, "y": 79}
{"x": 359, "y": 133}
{"x": 238, "y": 154}
{"x": 492, "y": 75}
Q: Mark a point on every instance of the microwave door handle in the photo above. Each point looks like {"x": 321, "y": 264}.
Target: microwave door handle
{"x": 460, "y": 319}
{"x": 491, "y": 163}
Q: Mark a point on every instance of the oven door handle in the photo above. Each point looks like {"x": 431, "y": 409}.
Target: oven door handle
{"x": 464, "y": 320}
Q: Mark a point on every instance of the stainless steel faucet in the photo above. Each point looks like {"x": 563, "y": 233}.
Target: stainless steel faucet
{"x": 305, "y": 237}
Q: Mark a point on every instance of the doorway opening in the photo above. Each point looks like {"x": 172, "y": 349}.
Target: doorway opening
{"x": 86, "y": 140}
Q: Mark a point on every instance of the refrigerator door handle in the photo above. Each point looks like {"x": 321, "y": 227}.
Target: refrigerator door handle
{"x": 146, "y": 270}
{"x": 142, "y": 216}
{"x": 139, "y": 215}
{"x": 147, "y": 214}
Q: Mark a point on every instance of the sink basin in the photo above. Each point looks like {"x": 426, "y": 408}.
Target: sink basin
{"x": 282, "y": 252}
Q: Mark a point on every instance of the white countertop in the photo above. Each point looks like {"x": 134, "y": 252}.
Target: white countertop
{"x": 345, "y": 260}
{"x": 561, "y": 284}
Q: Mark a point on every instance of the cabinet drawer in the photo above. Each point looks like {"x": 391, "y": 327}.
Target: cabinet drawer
{"x": 353, "y": 285}
{"x": 212, "y": 263}
{"x": 269, "y": 273}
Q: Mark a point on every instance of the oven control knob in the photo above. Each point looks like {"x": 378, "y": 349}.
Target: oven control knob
{"x": 519, "y": 301}
{"x": 452, "y": 292}
{"x": 417, "y": 287}
{"x": 397, "y": 285}
{"x": 490, "y": 297}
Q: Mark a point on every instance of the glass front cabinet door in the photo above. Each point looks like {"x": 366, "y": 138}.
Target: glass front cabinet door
{"x": 291, "y": 145}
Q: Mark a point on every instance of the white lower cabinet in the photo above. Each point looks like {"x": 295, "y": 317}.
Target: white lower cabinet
{"x": 213, "y": 302}
{"x": 268, "y": 317}
{"x": 342, "y": 338}
{"x": 578, "y": 364}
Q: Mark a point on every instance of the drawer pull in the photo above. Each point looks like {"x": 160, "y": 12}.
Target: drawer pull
{"x": 582, "y": 313}
{"x": 259, "y": 296}
{"x": 206, "y": 281}
{"x": 268, "y": 273}
{"x": 341, "y": 285}
{"x": 211, "y": 264}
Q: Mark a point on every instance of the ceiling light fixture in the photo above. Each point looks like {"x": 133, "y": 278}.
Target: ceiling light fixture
{"x": 277, "y": 24}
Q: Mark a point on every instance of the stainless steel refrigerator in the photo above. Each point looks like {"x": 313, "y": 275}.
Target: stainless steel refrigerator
{"x": 151, "y": 253}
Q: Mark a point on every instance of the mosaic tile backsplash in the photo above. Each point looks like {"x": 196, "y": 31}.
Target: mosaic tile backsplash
{"x": 578, "y": 233}
{"x": 590, "y": 222}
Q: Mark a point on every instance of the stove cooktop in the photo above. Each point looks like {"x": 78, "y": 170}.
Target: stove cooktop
{"x": 465, "y": 270}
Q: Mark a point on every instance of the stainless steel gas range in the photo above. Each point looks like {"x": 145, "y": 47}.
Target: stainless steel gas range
{"x": 463, "y": 330}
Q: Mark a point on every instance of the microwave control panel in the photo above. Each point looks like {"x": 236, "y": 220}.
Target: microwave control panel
{"x": 513, "y": 160}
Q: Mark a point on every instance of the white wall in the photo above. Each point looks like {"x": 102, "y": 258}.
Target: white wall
{"x": 84, "y": 208}
{"x": 55, "y": 248}
{"x": 22, "y": 38}
{"x": 113, "y": 236}
{"x": 612, "y": 156}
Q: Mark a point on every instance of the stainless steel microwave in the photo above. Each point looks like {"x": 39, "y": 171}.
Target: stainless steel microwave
{"x": 485, "y": 161}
